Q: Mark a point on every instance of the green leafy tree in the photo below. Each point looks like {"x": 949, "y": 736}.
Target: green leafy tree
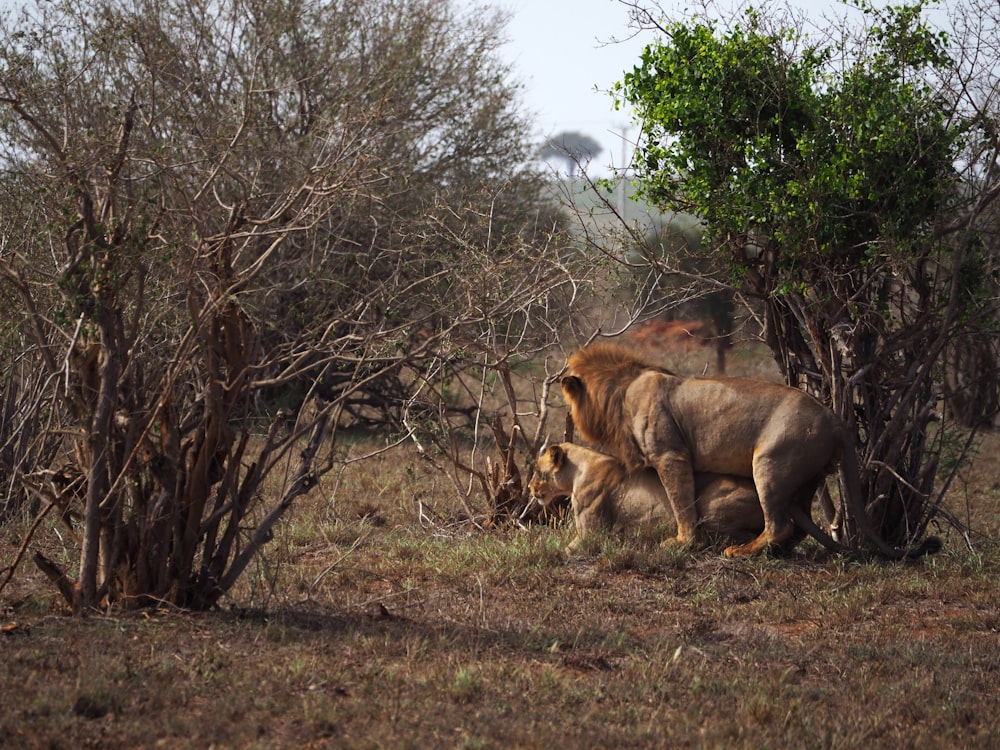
{"x": 828, "y": 180}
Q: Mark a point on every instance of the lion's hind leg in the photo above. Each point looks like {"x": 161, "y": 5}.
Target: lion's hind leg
{"x": 780, "y": 531}
{"x": 778, "y": 526}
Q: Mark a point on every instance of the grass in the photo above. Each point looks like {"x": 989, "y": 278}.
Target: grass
{"x": 364, "y": 627}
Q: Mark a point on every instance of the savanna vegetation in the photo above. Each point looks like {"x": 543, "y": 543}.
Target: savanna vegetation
{"x": 233, "y": 229}
{"x": 285, "y": 304}
{"x": 378, "y": 617}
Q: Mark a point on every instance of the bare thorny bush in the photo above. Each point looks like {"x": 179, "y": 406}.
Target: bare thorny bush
{"x": 231, "y": 229}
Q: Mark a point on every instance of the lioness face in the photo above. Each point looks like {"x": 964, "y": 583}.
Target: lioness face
{"x": 545, "y": 485}
{"x": 544, "y": 490}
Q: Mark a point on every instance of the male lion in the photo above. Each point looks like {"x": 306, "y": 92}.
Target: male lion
{"x": 782, "y": 438}
{"x": 605, "y": 495}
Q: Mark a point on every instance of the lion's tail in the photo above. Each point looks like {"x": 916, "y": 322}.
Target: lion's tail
{"x": 804, "y": 521}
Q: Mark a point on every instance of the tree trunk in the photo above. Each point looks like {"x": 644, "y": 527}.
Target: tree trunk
{"x": 99, "y": 449}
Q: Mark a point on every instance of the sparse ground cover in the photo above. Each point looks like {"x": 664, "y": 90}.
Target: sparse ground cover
{"x": 378, "y": 619}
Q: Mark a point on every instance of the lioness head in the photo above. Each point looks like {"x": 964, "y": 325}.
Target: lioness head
{"x": 548, "y": 482}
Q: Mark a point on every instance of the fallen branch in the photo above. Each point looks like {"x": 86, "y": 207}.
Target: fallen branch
{"x": 69, "y": 589}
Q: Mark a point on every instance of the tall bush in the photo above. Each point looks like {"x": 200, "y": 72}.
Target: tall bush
{"x": 830, "y": 181}
{"x": 211, "y": 209}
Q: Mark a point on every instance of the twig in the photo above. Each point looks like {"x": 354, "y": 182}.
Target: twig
{"x": 335, "y": 563}
{"x": 530, "y": 505}
{"x": 70, "y": 591}
{"x": 24, "y": 544}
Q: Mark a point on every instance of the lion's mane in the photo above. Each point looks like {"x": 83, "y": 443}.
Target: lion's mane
{"x": 595, "y": 386}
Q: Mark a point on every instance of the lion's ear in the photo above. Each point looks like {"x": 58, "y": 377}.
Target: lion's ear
{"x": 572, "y": 388}
{"x": 557, "y": 454}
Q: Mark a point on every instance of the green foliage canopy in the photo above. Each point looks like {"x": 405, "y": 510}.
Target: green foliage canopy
{"x": 841, "y": 161}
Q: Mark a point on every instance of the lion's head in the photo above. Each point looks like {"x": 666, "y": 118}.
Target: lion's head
{"x": 550, "y": 481}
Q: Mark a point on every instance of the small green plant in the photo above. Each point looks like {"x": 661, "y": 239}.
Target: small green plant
{"x": 466, "y": 685}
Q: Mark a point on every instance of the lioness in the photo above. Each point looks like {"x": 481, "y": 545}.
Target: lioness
{"x": 782, "y": 438}
{"x": 604, "y": 495}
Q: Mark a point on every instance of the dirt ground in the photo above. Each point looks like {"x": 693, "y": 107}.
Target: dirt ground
{"x": 376, "y": 620}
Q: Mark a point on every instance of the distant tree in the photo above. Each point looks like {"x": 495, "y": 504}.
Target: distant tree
{"x": 571, "y": 147}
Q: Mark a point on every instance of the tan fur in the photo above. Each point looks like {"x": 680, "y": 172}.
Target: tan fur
{"x": 781, "y": 438}
{"x": 605, "y": 496}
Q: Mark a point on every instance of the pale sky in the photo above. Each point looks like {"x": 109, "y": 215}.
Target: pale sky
{"x": 565, "y": 55}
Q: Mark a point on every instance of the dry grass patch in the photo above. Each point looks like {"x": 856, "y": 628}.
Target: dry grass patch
{"x": 367, "y": 624}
